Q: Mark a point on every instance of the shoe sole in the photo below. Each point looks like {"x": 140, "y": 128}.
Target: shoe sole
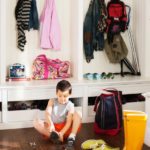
{"x": 54, "y": 137}
{"x": 93, "y": 140}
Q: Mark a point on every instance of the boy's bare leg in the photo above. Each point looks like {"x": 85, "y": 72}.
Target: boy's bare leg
{"x": 76, "y": 124}
{"x": 41, "y": 127}
{"x": 76, "y": 121}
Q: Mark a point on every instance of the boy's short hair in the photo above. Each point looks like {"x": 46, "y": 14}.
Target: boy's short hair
{"x": 64, "y": 86}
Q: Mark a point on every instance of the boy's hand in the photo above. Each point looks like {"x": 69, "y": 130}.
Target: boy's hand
{"x": 51, "y": 128}
{"x": 61, "y": 137}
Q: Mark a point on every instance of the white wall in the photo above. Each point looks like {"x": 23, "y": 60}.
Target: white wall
{"x": 32, "y": 49}
{"x": 76, "y": 29}
{"x": 100, "y": 63}
{"x": 2, "y": 39}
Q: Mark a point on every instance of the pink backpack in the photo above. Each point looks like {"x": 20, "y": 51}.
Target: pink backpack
{"x": 44, "y": 68}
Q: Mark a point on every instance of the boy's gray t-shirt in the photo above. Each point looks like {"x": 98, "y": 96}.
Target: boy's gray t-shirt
{"x": 60, "y": 112}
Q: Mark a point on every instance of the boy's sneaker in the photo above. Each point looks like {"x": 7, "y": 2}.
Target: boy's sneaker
{"x": 70, "y": 144}
{"x": 97, "y": 76}
{"x": 104, "y": 75}
{"x": 54, "y": 137}
{"x": 88, "y": 76}
{"x": 90, "y": 144}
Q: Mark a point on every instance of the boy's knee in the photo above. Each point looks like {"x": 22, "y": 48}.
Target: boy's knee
{"x": 35, "y": 122}
{"x": 78, "y": 114}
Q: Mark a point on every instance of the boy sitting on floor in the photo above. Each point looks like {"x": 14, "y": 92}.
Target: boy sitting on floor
{"x": 62, "y": 121}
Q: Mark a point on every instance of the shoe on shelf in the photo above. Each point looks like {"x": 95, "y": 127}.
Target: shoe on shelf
{"x": 97, "y": 76}
{"x": 110, "y": 75}
{"x": 90, "y": 144}
{"x": 23, "y": 106}
{"x": 70, "y": 144}
{"x": 106, "y": 147}
{"x": 54, "y": 137}
{"x": 104, "y": 75}
{"x": 88, "y": 76}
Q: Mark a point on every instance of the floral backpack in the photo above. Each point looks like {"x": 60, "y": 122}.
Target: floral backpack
{"x": 44, "y": 68}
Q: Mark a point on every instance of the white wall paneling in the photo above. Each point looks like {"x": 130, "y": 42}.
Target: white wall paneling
{"x": 2, "y": 39}
{"x": 76, "y": 38}
{"x": 4, "y": 106}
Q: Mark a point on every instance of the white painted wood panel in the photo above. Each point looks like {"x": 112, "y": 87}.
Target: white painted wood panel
{"x": 141, "y": 34}
{"x": 147, "y": 111}
{"x": 2, "y": 40}
{"x": 100, "y": 63}
{"x": 0, "y": 96}
{"x": 126, "y": 89}
{"x": 4, "y": 106}
{"x": 32, "y": 49}
{"x": 0, "y": 116}
{"x": 28, "y": 115}
{"x": 19, "y": 95}
{"x": 0, "y": 37}
{"x": 76, "y": 29}
{"x": 25, "y": 115}
{"x": 139, "y": 106}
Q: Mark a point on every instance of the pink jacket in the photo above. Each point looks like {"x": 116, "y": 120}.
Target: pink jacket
{"x": 50, "y": 32}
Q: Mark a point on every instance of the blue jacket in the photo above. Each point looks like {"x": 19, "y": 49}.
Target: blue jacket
{"x": 93, "y": 39}
{"x": 33, "y": 19}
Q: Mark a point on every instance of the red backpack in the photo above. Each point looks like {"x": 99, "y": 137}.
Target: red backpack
{"x": 116, "y": 17}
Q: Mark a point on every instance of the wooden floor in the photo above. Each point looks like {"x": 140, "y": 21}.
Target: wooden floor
{"x": 24, "y": 139}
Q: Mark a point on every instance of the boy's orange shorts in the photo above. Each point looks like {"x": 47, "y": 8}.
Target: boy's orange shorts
{"x": 59, "y": 127}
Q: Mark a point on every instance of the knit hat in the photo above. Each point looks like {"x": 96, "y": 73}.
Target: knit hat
{"x": 117, "y": 50}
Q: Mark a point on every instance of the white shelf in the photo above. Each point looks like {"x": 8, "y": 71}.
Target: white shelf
{"x": 51, "y": 83}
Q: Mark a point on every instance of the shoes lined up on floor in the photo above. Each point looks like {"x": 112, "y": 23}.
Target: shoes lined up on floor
{"x": 96, "y": 76}
{"x": 97, "y": 145}
{"x": 39, "y": 104}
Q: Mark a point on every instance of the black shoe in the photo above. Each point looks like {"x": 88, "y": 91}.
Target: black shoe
{"x": 54, "y": 137}
{"x": 70, "y": 144}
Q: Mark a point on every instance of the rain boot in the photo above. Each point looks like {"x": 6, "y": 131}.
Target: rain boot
{"x": 136, "y": 126}
{"x": 125, "y": 112}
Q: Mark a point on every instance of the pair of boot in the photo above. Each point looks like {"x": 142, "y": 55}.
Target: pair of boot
{"x": 97, "y": 145}
{"x": 134, "y": 129}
